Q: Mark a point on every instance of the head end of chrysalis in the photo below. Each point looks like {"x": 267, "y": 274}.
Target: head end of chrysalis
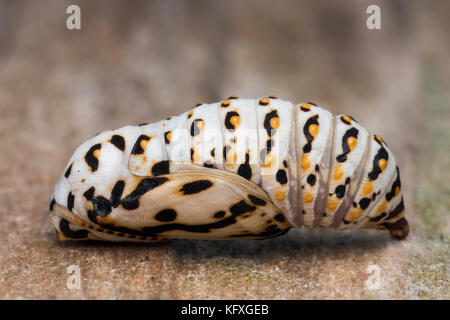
{"x": 66, "y": 226}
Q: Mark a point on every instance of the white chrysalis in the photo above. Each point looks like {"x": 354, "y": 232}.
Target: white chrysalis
{"x": 236, "y": 169}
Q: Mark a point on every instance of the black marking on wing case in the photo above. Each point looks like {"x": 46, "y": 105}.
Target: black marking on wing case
{"x": 271, "y": 231}
{"x": 219, "y": 214}
{"x": 166, "y": 215}
{"x": 256, "y": 200}
{"x": 103, "y": 206}
{"x": 241, "y": 207}
{"x": 74, "y": 234}
{"x": 131, "y": 201}
{"x": 196, "y": 186}
{"x": 236, "y": 210}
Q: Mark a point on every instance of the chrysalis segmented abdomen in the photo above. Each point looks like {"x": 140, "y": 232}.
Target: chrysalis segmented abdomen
{"x": 239, "y": 168}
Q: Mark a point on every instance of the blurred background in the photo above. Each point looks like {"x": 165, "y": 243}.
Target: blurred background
{"x": 141, "y": 61}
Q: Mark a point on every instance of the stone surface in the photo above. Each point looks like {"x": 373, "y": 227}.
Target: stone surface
{"x": 138, "y": 63}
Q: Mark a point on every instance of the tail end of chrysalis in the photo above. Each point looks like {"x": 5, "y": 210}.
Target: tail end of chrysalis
{"x": 399, "y": 230}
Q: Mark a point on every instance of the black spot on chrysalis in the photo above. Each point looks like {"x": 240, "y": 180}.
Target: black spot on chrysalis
{"x": 281, "y": 176}
{"x": 167, "y": 137}
{"x": 245, "y": 170}
{"x": 219, "y": 214}
{"x": 352, "y": 132}
{"x": 70, "y": 201}
{"x": 196, "y": 127}
{"x": 230, "y": 126}
{"x": 116, "y": 193}
{"x": 256, "y": 200}
{"x": 137, "y": 148}
{"x": 241, "y": 207}
{"x": 69, "y": 169}
{"x": 161, "y": 167}
{"x": 340, "y": 191}
{"x": 309, "y": 138}
{"x": 166, "y": 215}
{"x": 118, "y": 141}
{"x": 52, "y": 204}
{"x": 269, "y": 116}
{"x": 196, "y": 186}
{"x": 364, "y": 203}
{"x": 91, "y": 159}
{"x": 74, "y": 234}
{"x": 280, "y": 218}
{"x": 131, "y": 201}
{"x": 208, "y": 164}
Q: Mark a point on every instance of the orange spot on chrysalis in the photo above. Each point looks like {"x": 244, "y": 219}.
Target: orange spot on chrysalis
{"x": 304, "y": 162}
{"x": 308, "y": 197}
{"x": 280, "y": 195}
{"x": 352, "y": 142}
{"x": 338, "y": 173}
{"x": 275, "y": 123}
{"x": 314, "y": 130}
{"x": 367, "y": 188}
{"x": 382, "y": 163}
{"x": 332, "y": 205}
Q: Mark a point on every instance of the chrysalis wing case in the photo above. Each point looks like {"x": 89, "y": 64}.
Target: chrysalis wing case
{"x": 236, "y": 169}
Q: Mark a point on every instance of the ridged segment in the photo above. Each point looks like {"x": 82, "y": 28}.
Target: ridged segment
{"x": 238, "y": 125}
{"x": 350, "y": 144}
{"x": 326, "y": 164}
{"x": 176, "y": 140}
{"x": 148, "y": 150}
{"x": 314, "y": 129}
{"x": 278, "y": 174}
{"x": 388, "y": 207}
{"x": 376, "y": 178}
{"x": 205, "y": 135}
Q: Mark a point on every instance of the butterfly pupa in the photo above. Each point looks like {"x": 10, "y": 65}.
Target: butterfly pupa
{"x": 236, "y": 169}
